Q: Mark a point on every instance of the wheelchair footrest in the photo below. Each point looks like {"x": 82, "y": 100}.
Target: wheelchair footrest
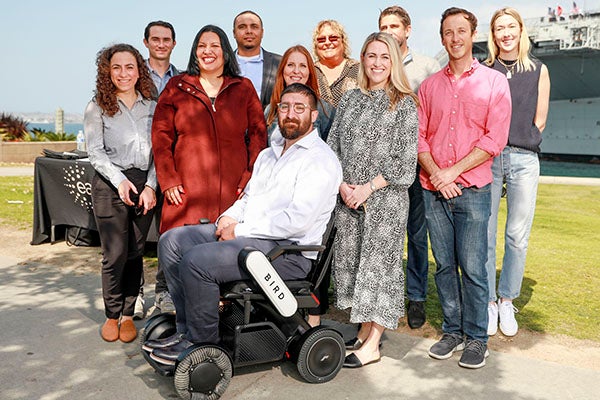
{"x": 161, "y": 369}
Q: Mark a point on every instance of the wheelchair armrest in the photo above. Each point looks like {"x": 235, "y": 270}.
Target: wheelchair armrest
{"x": 291, "y": 248}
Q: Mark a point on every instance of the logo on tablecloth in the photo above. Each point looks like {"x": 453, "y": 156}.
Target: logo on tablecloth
{"x": 79, "y": 188}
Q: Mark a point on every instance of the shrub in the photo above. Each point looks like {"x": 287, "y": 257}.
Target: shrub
{"x": 13, "y": 129}
{"x": 42, "y": 135}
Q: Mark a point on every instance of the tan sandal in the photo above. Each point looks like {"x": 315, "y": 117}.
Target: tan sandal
{"x": 127, "y": 331}
{"x": 110, "y": 330}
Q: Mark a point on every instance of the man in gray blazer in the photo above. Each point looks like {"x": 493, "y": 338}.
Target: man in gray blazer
{"x": 256, "y": 64}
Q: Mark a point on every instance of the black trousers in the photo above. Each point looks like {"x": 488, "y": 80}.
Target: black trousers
{"x": 123, "y": 233}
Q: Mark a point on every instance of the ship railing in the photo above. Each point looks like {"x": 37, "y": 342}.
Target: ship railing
{"x": 582, "y": 37}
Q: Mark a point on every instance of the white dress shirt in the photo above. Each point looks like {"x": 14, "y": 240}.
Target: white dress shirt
{"x": 290, "y": 196}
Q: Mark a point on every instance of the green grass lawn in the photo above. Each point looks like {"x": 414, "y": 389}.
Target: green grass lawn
{"x": 16, "y": 202}
{"x": 562, "y": 274}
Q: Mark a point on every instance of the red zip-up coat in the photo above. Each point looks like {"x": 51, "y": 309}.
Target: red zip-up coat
{"x": 208, "y": 149}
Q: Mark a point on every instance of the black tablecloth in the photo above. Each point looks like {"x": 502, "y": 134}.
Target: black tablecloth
{"x": 62, "y": 197}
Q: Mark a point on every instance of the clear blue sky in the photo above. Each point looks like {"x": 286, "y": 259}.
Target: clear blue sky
{"x": 50, "y": 46}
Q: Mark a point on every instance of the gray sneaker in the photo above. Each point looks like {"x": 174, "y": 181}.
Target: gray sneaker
{"x": 164, "y": 302}
{"x": 474, "y": 355}
{"x": 448, "y": 344}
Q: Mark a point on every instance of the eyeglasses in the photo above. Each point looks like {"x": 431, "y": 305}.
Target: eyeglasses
{"x": 332, "y": 39}
{"x": 299, "y": 108}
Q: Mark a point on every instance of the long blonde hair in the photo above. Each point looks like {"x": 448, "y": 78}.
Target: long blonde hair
{"x": 397, "y": 86}
{"x": 524, "y": 62}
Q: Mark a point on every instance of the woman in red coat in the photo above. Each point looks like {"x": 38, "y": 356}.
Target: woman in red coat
{"x": 207, "y": 131}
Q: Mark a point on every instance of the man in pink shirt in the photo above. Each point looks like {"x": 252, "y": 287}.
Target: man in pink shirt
{"x": 464, "y": 120}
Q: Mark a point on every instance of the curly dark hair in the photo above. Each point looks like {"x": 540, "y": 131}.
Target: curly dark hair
{"x": 106, "y": 91}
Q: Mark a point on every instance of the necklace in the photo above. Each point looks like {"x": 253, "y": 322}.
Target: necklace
{"x": 510, "y": 67}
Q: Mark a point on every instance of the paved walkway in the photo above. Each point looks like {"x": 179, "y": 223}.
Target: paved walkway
{"x": 26, "y": 170}
{"x": 51, "y": 349}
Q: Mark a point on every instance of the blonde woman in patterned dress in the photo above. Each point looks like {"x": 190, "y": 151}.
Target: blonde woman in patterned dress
{"x": 374, "y": 134}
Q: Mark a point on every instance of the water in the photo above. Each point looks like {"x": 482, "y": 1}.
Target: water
{"x": 563, "y": 168}
{"x": 548, "y": 168}
{"x": 69, "y": 128}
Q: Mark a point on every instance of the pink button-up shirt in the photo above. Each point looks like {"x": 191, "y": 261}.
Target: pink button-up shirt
{"x": 458, "y": 114}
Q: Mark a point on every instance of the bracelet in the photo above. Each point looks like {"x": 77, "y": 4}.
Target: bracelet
{"x": 372, "y": 186}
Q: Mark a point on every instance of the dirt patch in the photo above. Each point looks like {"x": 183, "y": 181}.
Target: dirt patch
{"x": 564, "y": 350}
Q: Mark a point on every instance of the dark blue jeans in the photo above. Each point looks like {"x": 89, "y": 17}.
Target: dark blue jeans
{"x": 195, "y": 263}
{"x": 458, "y": 233}
{"x": 417, "y": 265}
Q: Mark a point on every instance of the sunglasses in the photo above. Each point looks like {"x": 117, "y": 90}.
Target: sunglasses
{"x": 332, "y": 39}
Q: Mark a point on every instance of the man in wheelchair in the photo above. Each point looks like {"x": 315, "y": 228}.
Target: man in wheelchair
{"x": 288, "y": 200}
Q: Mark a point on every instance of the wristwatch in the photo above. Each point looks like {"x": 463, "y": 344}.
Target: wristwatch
{"x": 372, "y": 185}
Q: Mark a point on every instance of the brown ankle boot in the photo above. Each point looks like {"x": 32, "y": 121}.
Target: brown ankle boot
{"x": 110, "y": 330}
{"x": 127, "y": 332}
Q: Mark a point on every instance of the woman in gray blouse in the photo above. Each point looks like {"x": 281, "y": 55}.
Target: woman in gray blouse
{"x": 117, "y": 124}
{"x": 374, "y": 134}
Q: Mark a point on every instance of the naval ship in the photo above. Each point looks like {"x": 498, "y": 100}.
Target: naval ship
{"x": 570, "y": 48}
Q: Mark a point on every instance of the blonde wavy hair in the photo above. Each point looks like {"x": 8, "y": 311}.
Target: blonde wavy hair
{"x": 524, "y": 62}
{"x": 397, "y": 86}
{"x": 339, "y": 29}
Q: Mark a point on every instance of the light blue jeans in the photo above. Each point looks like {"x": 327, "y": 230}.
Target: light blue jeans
{"x": 458, "y": 233}
{"x": 520, "y": 170}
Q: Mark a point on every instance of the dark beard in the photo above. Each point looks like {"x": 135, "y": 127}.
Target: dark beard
{"x": 289, "y": 132}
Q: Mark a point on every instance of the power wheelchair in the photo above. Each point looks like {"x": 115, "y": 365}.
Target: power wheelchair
{"x": 261, "y": 320}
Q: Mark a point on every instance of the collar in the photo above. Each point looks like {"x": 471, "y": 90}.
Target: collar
{"x": 139, "y": 99}
{"x": 408, "y": 58}
{"x": 257, "y": 58}
{"x": 170, "y": 71}
{"x": 277, "y": 141}
{"x": 474, "y": 65}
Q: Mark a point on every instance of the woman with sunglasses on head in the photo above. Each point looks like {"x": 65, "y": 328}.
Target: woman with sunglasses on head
{"x": 297, "y": 67}
{"x": 336, "y": 71}
{"x": 374, "y": 135}
{"x": 517, "y": 166}
{"x": 117, "y": 128}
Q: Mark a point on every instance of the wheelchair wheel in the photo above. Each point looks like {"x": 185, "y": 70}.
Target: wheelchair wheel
{"x": 203, "y": 373}
{"x": 158, "y": 327}
{"x": 321, "y": 355}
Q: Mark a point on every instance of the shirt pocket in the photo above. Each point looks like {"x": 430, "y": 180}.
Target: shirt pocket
{"x": 475, "y": 115}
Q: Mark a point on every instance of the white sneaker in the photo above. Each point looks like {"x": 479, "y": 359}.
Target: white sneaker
{"x": 138, "y": 310}
{"x": 508, "y": 323}
{"x": 492, "y": 319}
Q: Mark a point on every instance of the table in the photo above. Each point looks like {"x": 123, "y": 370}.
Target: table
{"x": 62, "y": 198}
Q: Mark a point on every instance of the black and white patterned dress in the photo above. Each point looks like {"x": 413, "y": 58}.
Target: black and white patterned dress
{"x": 370, "y": 139}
